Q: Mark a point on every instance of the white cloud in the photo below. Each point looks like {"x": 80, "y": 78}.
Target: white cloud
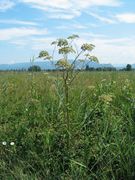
{"x": 66, "y": 4}
{"x": 71, "y": 26}
{"x": 35, "y": 43}
{"x": 6, "y": 4}
{"x": 101, "y": 18}
{"x": 19, "y": 42}
{"x": 61, "y": 16}
{"x": 68, "y": 9}
{"x": 126, "y": 17}
{"x": 17, "y": 22}
{"x": 115, "y": 51}
{"x": 88, "y": 3}
{"x": 44, "y": 4}
{"x": 12, "y": 33}
{"x": 42, "y": 43}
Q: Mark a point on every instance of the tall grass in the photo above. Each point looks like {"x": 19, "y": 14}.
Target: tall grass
{"x": 102, "y": 126}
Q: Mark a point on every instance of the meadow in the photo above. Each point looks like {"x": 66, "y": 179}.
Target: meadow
{"x": 35, "y": 143}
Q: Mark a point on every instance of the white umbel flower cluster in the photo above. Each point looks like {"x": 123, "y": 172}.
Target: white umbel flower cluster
{"x": 4, "y": 143}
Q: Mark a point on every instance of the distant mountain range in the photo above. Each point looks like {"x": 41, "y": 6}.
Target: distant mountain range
{"x": 47, "y": 65}
{"x": 119, "y": 66}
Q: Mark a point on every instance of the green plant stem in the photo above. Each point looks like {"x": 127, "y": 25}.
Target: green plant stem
{"x": 66, "y": 92}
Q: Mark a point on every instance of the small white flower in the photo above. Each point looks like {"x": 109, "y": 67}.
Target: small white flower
{"x": 26, "y": 109}
{"x": 4, "y": 143}
{"x": 12, "y": 143}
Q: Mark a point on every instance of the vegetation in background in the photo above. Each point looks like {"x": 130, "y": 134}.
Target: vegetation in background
{"x": 88, "y": 68}
{"x": 34, "y": 68}
{"x": 129, "y": 67}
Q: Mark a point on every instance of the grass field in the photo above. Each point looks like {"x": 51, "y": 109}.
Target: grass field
{"x": 33, "y": 131}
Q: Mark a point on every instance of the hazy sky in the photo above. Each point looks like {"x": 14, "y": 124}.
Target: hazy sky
{"x": 28, "y": 26}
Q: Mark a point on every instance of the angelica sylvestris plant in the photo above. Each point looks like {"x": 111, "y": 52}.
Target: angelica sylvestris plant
{"x": 80, "y": 56}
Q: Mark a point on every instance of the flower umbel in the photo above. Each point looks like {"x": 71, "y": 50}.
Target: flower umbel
{"x": 4, "y": 143}
{"x": 12, "y": 143}
{"x": 106, "y": 98}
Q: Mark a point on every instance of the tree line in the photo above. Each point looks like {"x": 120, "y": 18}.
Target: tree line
{"x": 36, "y": 68}
{"x": 127, "y": 68}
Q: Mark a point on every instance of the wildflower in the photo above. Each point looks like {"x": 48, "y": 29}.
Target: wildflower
{"x": 66, "y": 50}
{"x": 62, "y": 42}
{"x": 87, "y": 47}
{"x": 124, "y": 87}
{"x": 62, "y": 63}
{"x": 45, "y": 55}
{"x": 74, "y": 36}
{"x": 26, "y": 109}
{"x": 106, "y": 98}
{"x": 12, "y": 143}
{"x": 4, "y": 143}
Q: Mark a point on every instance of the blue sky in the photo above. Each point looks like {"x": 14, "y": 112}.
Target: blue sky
{"x": 29, "y": 26}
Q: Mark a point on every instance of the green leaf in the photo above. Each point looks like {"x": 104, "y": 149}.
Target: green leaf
{"x": 78, "y": 163}
{"x": 45, "y": 55}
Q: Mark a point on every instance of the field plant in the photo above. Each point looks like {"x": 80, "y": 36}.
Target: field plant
{"x": 64, "y": 48}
